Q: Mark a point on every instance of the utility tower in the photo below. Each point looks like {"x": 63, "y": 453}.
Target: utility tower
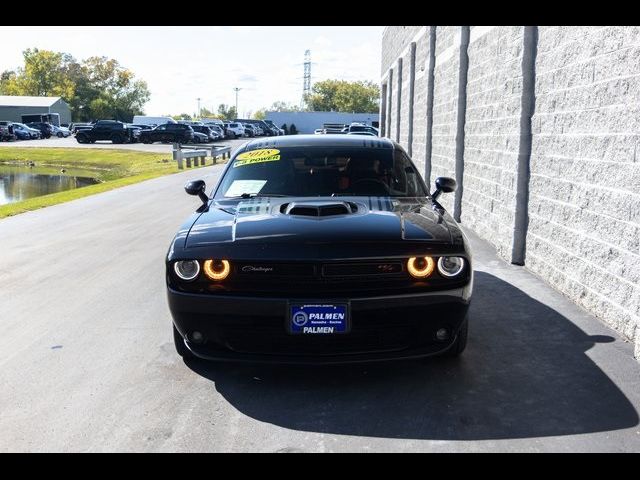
{"x": 306, "y": 85}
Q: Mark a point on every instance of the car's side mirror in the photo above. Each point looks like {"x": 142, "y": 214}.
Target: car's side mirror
{"x": 197, "y": 187}
{"x": 444, "y": 185}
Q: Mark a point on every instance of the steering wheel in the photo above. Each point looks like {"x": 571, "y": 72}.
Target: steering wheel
{"x": 379, "y": 187}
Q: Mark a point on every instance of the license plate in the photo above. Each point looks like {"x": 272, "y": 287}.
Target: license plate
{"x": 320, "y": 319}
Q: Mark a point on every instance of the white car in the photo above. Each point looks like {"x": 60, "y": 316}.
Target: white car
{"x": 60, "y": 132}
{"x": 236, "y": 129}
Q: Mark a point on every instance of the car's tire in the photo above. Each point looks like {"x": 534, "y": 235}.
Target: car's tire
{"x": 117, "y": 138}
{"x": 82, "y": 138}
{"x": 461, "y": 340}
{"x": 181, "y": 348}
{"x": 60, "y": 134}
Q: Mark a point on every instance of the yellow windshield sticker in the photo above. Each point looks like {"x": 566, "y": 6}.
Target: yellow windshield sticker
{"x": 257, "y": 156}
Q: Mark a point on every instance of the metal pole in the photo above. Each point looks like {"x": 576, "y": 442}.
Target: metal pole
{"x": 198, "y": 114}
{"x": 237, "y": 90}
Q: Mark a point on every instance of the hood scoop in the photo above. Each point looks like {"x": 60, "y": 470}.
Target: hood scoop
{"x": 318, "y": 209}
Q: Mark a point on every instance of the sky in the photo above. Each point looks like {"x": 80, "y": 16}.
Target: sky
{"x": 181, "y": 64}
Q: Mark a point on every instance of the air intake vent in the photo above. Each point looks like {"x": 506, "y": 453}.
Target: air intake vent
{"x": 320, "y": 209}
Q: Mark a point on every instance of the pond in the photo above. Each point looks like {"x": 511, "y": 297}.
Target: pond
{"x": 19, "y": 182}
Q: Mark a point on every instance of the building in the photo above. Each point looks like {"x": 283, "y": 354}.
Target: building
{"x": 13, "y": 107}
{"x": 308, "y": 122}
{"x": 540, "y": 126}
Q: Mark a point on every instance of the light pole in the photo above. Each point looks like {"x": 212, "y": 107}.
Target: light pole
{"x": 236, "y": 89}
{"x": 198, "y": 114}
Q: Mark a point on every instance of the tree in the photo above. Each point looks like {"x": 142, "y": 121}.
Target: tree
{"x": 260, "y": 114}
{"x": 281, "y": 106}
{"x": 293, "y": 130}
{"x": 182, "y": 116}
{"x": 343, "y": 96}
{"x": 226, "y": 112}
{"x": 98, "y": 87}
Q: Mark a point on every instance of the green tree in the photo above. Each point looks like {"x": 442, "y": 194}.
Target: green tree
{"x": 281, "y": 106}
{"x": 182, "y": 116}
{"x": 226, "y": 112}
{"x": 260, "y": 114}
{"x": 343, "y": 96}
{"x": 98, "y": 87}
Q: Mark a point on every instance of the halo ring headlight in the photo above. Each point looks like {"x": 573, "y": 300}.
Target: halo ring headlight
{"x": 420, "y": 267}
{"x": 217, "y": 269}
{"x": 187, "y": 270}
{"x": 450, "y": 266}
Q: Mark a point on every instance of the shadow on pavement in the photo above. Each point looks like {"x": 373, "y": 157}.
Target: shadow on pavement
{"x": 524, "y": 374}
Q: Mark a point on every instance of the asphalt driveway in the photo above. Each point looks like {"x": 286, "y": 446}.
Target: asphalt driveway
{"x": 88, "y": 362}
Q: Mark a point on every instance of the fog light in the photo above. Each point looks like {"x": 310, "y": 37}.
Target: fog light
{"x": 196, "y": 337}
{"x": 442, "y": 334}
{"x": 420, "y": 267}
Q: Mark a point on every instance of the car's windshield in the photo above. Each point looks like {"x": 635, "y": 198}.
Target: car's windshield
{"x": 321, "y": 171}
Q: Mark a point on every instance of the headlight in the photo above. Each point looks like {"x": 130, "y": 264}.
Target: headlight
{"x": 420, "y": 267}
{"x": 450, "y": 266}
{"x": 217, "y": 269}
{"x": 187, "y": 269}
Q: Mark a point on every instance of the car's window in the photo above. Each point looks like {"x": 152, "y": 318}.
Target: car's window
{"x": 161, "y": 127}
{"x": 321, "y": 171}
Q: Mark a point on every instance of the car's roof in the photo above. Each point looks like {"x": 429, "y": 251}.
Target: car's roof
{"x": 320, "y": 141}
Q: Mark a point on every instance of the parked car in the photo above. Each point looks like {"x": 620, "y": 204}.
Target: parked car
{"x": 219, "y": 131}
{"x": 274, "y": 129}
{"x": 361, "y": 127}
{"x": 142, "y": 126}
{"x": 235, "y": 129}
{"x": 147, "y": 120}
{"x": 206, "y": 131}
{"x": 46, "y": 129}
{"x": 60, "y": 132}
{"x": 73, "y": 127}
{"x": 199, "y": 137}
{"x": 169, "y": 132}
{"x": 6, "y": 131}
{"x": 249, "y": 131}
{"x": 22, "y": 132}
{"x": 368, "y": 134}
{"x": 258, "y": 123}
{"x": 300, "y": 265}
{"x": 113, "y": 130}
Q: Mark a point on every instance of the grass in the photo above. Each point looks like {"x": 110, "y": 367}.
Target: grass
{"x": 113, "y": 168}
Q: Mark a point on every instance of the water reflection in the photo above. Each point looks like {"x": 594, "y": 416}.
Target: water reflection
{"x": 20, "y": 183}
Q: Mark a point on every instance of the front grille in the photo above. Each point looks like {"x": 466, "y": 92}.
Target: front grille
{"x": 361, "y": 269}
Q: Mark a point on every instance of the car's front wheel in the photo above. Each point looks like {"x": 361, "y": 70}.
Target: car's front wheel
{"x": 181, "y": 348}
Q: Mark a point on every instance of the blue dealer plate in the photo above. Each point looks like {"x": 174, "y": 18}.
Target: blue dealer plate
{"x": 319, "y": 319}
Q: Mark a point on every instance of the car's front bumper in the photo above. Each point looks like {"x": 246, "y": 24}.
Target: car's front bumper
{"x": 254, "y": 329}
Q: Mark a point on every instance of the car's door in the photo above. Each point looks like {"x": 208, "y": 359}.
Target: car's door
{"x": 158, "y": 133}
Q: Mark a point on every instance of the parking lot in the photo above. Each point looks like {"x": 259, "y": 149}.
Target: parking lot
{"x": 89, "y": 364}
{"x": 70, "y": 142}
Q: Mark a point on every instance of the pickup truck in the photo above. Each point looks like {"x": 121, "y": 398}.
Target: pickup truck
{"x": 115, "y": 131}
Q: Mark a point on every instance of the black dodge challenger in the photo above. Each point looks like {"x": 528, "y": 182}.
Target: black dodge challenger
{"x": 319, "y": 249}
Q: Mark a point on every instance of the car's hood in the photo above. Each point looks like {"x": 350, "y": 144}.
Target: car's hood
{"x": 261, "y": 223}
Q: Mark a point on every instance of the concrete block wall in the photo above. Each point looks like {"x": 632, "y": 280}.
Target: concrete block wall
{"x": 492, "y": 133}
{"x": 584, "y": 209}
{"x": 418, "y": 152}
{"x": 445, "y": 107}
{"x": 549, "y": 119}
